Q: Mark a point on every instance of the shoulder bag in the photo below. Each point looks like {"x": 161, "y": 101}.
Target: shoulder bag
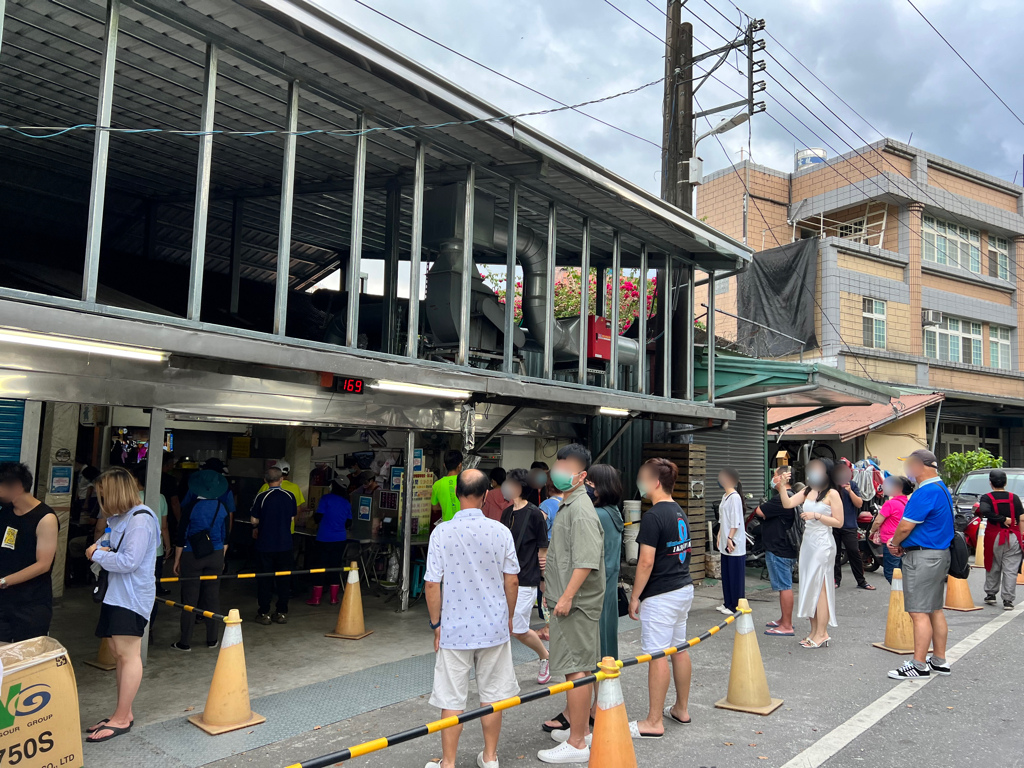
{"x": 99, "y": 590}
{"x": 959, "y": 552}
{"x": 200, "y": 541}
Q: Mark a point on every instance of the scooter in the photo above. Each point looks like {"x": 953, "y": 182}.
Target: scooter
{"x": 870, "y": 552}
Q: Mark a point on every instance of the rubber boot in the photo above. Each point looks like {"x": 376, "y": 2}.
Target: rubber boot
{"x": 318, "y": 594}
{"x": 335, "y": 588}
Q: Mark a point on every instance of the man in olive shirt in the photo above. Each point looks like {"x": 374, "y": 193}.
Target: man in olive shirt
{"x": 574, "y": 580}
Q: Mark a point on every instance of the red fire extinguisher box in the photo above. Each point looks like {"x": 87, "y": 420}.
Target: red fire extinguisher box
{"x": 599, "y": 338}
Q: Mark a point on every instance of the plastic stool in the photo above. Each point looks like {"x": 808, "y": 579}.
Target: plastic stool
{"x": 416, "y": 585}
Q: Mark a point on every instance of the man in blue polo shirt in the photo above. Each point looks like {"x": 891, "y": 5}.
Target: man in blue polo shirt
{"x": 922, "y": 540}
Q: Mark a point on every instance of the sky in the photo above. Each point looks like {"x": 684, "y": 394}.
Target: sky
{"x": 898, "y": 77}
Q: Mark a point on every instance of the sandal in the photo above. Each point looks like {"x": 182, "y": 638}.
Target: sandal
{"x": 114, "y": 733}
{"x": 561, "y": 719}
{"x": 671, "y": 716}
{"x": 99, "y": 726}
{"x": 636, "y": 733}
{"x": 775, "y": 631}
{"x": 772, "y": 624}
{"x": 866, "y": 586}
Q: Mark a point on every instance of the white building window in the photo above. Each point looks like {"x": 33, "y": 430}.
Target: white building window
{"x": 948, "y": 243}
{"x": 954, "y": 341}
{"x": 998, "y": 257}
{"x": 874, "y": 323}
{"x": 853, "y": 230}
{"x": 999, "y": 347}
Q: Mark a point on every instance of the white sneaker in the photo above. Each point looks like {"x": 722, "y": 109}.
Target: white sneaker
{"x": 485, "y": 763}
{"x": 562, "y": 736}
{"x": 564, "y": 754}
{"x": 723, "y": 610}
{"x": 544, "y": 674}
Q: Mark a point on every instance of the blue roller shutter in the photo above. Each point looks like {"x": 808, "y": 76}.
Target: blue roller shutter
{"x": 12, "y": 418}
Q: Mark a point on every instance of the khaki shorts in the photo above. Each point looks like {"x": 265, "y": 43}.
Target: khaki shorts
{"x": 495, "y": 676}
{"x": 575, "y": 643}
{"x": 924, "y": 579}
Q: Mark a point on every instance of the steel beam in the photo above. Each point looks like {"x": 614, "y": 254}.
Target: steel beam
{"x": 202, "y": 207}
{"x": 415, "y": 251}
{"x": 356, "y": 238}
{"x": 581, "y": 373}
{"x": 641, "y": 365}
{"x": 497, "y": 428}
{"x": 466, "y": 292}
{"x": 408, "y": 482}
{"x": 3, "y": 11}
{"x": 711, "y": 337}
{"x": 237, "y": 218}
{"x": 100, "y": 155}
{"x": 512, "y": 246}
{"x": 284, "y": 238}
{"x": 392, "y": 235}
{"x": 688, "y": 341}
{"x": 613, "y": 361}
{"x": 549, "y": 293}
{"x": 666, "y": 313}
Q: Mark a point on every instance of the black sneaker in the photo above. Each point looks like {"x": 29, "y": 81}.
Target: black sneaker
{"x": 263, "y": 618}
{"x": 938, "y": 669}
{"x": 179, "y": 646}
{"x": 908, "y": 671}
{"x": 1007, "y": 605}
{"x": 279, "y": 618}
{"x": 990, "y": 599}
{"x": 212, "y": 643}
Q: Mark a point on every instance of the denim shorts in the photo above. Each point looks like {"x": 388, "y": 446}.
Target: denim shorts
{"x": 780, "y": 571}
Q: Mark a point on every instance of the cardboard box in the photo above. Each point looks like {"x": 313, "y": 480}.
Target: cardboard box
{"x": 39, "y": 725}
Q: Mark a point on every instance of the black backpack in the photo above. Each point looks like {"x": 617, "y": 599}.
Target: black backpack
{"x": 959, "y": 565}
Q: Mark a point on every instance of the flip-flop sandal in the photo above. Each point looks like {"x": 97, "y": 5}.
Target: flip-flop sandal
{"x": 866, "y": 586}
{"x": 101, "y": 724}
{"x": 114, "y": 733}
{"x": 775, "y": 631}
{"x": 563, "y": 723}
{"x": 634, "y": 731}
{"x": 772, "y": 624}
{"x": 670, "y": 716}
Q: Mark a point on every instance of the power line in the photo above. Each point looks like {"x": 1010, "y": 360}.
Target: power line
{"x": 645, "y": 29}
{"x": 501, "y": 74}
{"x": 966, "y": 63}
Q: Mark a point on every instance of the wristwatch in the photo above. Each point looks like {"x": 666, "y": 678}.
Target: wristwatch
{"x": 3, "y": 583}
{"x": 433, "y": 625}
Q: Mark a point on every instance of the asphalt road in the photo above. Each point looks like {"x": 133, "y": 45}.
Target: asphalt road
{"x": 840, "y": 708}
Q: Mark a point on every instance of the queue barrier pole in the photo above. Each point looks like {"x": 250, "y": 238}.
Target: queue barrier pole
{"x": 223, "y": 576}
{"x": 369, "y": 747}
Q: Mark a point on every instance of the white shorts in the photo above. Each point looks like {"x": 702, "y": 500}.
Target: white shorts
{"x": 663, "y": 620}
{"x": 495, "y": 676}
{"x": 524, "y": 610}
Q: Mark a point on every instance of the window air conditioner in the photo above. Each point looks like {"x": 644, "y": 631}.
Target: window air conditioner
{"x": 931, "y": 317}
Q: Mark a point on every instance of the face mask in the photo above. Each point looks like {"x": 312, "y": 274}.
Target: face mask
{"x": 563, "y": 481}
{"x": 642, "y": 488}
{"x": 509, "y": 491}
{"x": 590, "y": 491}
{"x": 816, "y": 479}
{"x": 720, "y": 484}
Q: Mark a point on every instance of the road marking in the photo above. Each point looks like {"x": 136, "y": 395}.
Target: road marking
{"x": 831, "y": 743}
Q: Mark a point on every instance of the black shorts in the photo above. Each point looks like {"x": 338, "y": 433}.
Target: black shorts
{"x": 115, "y": 620}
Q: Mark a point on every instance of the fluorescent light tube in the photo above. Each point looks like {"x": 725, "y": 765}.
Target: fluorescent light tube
{"x": 69, "y": 344}
{"x": 418, "y": 389}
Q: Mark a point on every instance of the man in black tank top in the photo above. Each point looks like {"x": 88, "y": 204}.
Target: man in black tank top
{"x": 28, "y": 543}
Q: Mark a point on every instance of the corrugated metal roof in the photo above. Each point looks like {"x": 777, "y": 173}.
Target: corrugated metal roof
{"x": 852, "y": 421}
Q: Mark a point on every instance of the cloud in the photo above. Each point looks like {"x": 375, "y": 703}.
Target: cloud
{"x": 878, "y": 55}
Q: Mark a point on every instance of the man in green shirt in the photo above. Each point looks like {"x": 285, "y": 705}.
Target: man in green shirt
{"x": 442, "y": 494}
{"x": 574, "y": 590}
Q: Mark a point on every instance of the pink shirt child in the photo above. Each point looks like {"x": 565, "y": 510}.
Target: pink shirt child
{"x": 891, "y": 513}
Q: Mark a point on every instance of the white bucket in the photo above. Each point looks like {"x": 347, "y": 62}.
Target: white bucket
{"x": 631, "y": 511}
{"x": 630, "y": 543}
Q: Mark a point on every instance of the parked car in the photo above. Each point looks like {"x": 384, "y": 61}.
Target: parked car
{"x": 974, "y": 485}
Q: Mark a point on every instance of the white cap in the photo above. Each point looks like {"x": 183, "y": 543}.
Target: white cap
{"x": 284, "y": 466}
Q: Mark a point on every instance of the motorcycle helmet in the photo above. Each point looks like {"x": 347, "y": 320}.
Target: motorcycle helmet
{"x": 865, "y": 517}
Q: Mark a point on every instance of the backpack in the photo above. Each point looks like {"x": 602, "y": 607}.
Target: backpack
{"x": 959, "y": 553}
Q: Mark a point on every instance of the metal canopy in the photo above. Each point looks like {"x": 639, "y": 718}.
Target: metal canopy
{"x": 780, "y": 383}
{"x": 52, "y": 59}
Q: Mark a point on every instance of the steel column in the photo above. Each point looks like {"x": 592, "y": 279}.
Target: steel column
{"x": 666, "y": 312}
{"x": 284, "y": 238}
{"x": 711, "y": 337}
{"x": 584, "y": 299}
{"x": 100, "y": 154}
{"x": 155, "y": 457}
{"x": 415, "y": 251}
{"x": 30, "y": 426}
{"x": 688, "y": 339}
{"x": 392, "y": 234}
{"x": 356, "y": 239}
{"x": 613, "y": 362}
{"x": 549, "y": 293}
{"x": 202, "y": 206}
{"x": 511, "y": 246}
{"x": 466, "y": 292}
{"x": 3, "y": 9}
{"x": 237, "y": 214}
{"x": 641, "y": 366}
{"x": 407, "y": 507}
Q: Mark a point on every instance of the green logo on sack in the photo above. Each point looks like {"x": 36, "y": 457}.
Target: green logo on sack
{"x": 23, "y": 703}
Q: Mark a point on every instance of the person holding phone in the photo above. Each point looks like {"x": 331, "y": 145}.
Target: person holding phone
{"x": 780, "y": 552}
{"x": 732, "y": 540}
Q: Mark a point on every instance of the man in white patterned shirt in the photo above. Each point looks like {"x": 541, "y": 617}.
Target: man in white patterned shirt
{"x": 475, "y": 558}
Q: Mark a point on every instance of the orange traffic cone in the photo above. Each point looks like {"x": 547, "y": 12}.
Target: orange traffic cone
{"x": 104, "y": 657}
{"x": 1020, "y": 579}
{"x": 979, "y": 549}
{"x": 899, "y": 629}
{"x": 748, "y": 685}
{"x": 350, "y": 624}
{"x": 227, "y": 704}
{"x": 958, "y": 596}
{"x": 611, "y": 745}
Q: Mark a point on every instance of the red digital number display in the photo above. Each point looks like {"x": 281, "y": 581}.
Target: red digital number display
{"x": 350, "y": 386}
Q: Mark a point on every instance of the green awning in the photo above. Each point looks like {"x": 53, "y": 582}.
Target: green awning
{"x": 790, "y": 384}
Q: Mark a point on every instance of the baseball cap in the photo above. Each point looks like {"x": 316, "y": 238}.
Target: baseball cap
{"x": 923, "y": 455}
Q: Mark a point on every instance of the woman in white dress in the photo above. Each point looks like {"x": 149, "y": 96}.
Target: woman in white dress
{"x": 822, "y": 511}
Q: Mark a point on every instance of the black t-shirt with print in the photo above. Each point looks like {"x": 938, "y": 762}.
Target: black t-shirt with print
{"x": 530, "y": 533}
{"x": 665, "y": 528}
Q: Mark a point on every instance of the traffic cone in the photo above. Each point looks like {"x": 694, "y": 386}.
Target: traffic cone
{"x": 227, "y": 704}
{"x": 899, "y": 629}
{"x": 350, "y": 624}
{"x": 958, "y": 596}
{"x": 979, "y": 549}
{"x": 1020, "y": 579}
{"x": 104, "y": 657}
{"x": 611, "y": 745}
{"x": 748, "y": 685}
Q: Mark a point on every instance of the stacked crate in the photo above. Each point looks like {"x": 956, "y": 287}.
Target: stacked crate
{"x": 688, "y": 493}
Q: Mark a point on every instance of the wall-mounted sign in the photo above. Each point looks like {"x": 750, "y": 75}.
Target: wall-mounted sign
{"x": 389, "y": 500}
{"x": 60, "y": 479}
{"x": 62, "y": 455}
{"x": 365, "y": 505}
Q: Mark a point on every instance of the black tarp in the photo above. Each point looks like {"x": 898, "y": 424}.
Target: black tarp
{"x": 777, "y": 291}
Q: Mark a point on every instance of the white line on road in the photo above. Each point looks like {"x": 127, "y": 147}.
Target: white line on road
{"x": 829, "y": 745}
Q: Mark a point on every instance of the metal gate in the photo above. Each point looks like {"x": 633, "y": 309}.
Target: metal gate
{"x": 741, "y": 446}
{"x": 12, "y": 419}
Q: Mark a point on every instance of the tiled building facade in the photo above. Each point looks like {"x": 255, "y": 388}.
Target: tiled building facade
{"x": 920, "y": 274}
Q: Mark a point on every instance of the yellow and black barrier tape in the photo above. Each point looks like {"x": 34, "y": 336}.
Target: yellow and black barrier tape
{"x": 368, "y": 747}
{"x": 193, "y": 609}
{"x": 223, "y": 576}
